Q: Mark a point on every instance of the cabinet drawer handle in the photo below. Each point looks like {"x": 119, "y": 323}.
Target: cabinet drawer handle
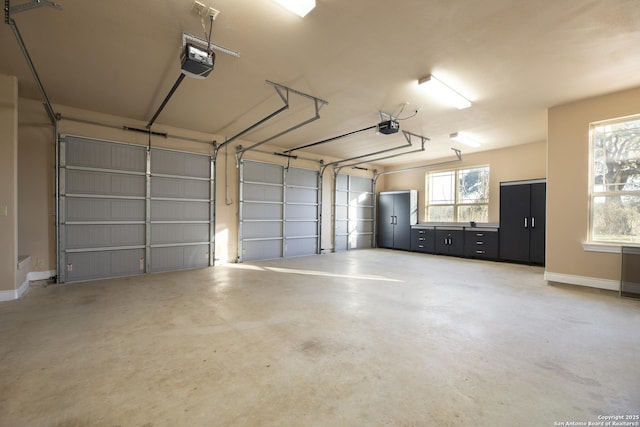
{"x": 479, "y": 243}
{"x": 421, "y": 246}
{"x": 479, "y": 234}
{"x": 421, "y": 239}
{"x": 480, "y": 252}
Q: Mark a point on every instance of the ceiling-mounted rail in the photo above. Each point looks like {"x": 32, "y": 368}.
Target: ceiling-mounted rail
{"x": 427, "y": 166}
{"x": 165, "y": 100}
{"x": 283, "y": 92}
{"x": 8, "y": 10}
{"x": 407, "y": 135}
{"x": 333, "y": 138}
{"x": 188, "y": 37}
{"x": 33, "y": 4}
{"x": 381, "y": 114}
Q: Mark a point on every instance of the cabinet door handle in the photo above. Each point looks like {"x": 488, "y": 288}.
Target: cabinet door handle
{"x": 526, "y": 223}
{"x": 391, "y": 219}
{"x": 533, "y": 222}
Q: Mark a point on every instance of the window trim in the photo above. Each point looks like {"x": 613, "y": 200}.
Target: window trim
{"x": 592, "y": 245}
{"x": 456, "y": 204}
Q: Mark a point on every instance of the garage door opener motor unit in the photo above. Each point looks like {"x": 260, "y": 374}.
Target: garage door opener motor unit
{"x": 388, "y": 127}
{"x": 197, "y": 62}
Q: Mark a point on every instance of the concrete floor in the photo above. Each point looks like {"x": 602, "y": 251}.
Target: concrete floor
{"x": 366, "y": 338}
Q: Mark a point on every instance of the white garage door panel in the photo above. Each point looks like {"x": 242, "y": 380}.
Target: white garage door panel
{"x": 174, "y": 210}
{"x": 301, "y": 212}
{"x": 301, "y": 229}
{"x": 262, "y": 211}
{"x": 169, "y": 162}
{"x": 98, "y": 265}
{"x": 179, "y": 233}
{"x": 300, "y": 247}
{"x": 104, "y": 183}
{"x": 263, "y": 229}
{"x": 261, "y": 250}
{"x": 88, "y": 209}
{"x": 104, "y": 235}
{"x": 91, "y": 153}
{"x": 179, "y": 188}
{"x": 262, "y": 192}
{"x": 179, "y": 257}
{"x": 302, "y": 177}
{"x": 302, "y": 195}
{"x": 266, "y": 173}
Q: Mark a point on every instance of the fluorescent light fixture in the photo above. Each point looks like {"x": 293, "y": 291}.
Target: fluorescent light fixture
{"x": 299, "y": 7}
{"x": 444, "y": 92}
{"x": 457, "y": 136}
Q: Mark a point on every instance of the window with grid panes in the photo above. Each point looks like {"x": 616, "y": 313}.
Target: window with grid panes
{"x": 615, "y": 181}
{"x": 460, "y": 195}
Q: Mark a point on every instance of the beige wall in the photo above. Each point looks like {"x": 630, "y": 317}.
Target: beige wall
{"x": 509, "y": 164}
{"x": 568, "y": 190}
{"x": 36, "y": 185}
{"x": 8, "y": 182}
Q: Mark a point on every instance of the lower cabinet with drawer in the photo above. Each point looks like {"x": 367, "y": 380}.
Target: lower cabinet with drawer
{"x": 423, "y": 239}
{"x": 457, "y": 240}
{"x": 481, "y": 243}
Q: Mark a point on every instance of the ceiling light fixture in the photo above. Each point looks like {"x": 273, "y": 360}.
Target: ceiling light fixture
{"x": 299, "y": 7}
{"x": 444, "y": 92}
{"x": 457, "y": 136}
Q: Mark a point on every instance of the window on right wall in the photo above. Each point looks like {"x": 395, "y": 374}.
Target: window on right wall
{"x": 615, "y": 181}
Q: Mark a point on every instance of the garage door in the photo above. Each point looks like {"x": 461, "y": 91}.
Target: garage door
{"x": 125, "y": 210}
{"x": 278, "y": 211}
{"x": 353, "y": 213}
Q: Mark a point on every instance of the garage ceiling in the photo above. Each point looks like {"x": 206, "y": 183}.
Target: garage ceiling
{"x": 512, "y": 59}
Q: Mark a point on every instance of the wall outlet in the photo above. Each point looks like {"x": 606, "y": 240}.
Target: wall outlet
{"x": 3, "y": 210}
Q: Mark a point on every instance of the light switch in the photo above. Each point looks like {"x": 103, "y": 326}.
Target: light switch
{"x": 3, "y": 210}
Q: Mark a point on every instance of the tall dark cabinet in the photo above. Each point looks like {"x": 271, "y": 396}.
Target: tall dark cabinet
{"x": 397, "y": 211}
{"x": 523, "y": 221}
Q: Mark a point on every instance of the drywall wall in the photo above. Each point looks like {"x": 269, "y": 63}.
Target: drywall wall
{"x": 8, "y": 183}
{"x": 516, "y": 163}
{"x": 36, "y": 185}
{"x": 568, "y": 190}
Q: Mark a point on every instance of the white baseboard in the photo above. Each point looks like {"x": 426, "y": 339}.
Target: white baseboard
{"x": 591, "y": 282}
{"x": 40, "y": 275}
{"x": 14, "y": 294}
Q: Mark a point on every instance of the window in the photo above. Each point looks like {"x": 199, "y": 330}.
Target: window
{"x": 458, "y": 196}
{"x": 615, "y": 181}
